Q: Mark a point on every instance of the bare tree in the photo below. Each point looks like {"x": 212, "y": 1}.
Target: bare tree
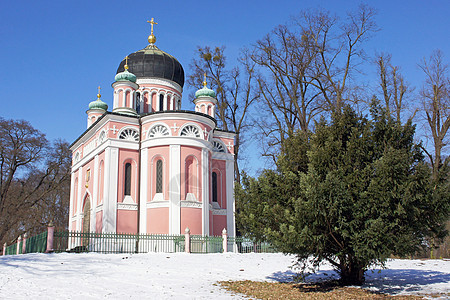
{"x": 235, "y": 90}
{"x": 393, "y": 86}
{"x": 32, "y": 173}
{"x": 435, "y": 95}
{"x": 339, "y": 50}
{"x": 305, "y": 69}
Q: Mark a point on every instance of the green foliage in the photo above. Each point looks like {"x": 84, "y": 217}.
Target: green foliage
{"x": 364, "y": 195}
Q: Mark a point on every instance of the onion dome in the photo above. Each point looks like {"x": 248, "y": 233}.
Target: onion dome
{"x": 205, "y": 92}
{"x": 125, "y": 75}
{"x": 151, "y": 62}
{"x": 98, "y": 104}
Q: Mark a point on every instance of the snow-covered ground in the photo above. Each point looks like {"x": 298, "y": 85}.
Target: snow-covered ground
{"x": 184, "y": 276}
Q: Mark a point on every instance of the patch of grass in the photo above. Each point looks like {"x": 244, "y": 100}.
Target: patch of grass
{"x": 328, "y": 290}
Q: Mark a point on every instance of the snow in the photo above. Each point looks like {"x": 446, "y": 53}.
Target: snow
{"x": 186, "y": 276}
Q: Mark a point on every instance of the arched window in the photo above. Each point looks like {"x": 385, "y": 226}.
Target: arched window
{"x": 159, "y": 176}
{"x": 138, "y": 103}
{"x": 161, "y": 102}
{"x": 214, "y": 187}
{"x": 127, "y": 187}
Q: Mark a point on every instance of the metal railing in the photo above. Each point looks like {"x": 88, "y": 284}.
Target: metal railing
{"x": 37, "y": 243}
{"x": 241, "y": 244}
{"x": 206, "y": 244}
{"x": 75, "y": 241}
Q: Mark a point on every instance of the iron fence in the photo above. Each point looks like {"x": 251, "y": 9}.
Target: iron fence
{"x": 241, "y": 244}
{"x": 37, "y": 243}
{"x": 206, "y": 244}
{"x": 76, "y": 241}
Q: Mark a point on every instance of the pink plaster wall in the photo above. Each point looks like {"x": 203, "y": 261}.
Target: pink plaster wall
{"x": 191, "y": 153}
{"x": 219, "y": 166}
{"x": 126, "y": 221}
{"x": 192, "y": 218}
{"x": 220, "y": 222}
{"x": 127, "y": 156}
{"x": 73, "y": 225}
{"x": 158, "y": 220}
{"x": 98, "y": 221}
{"x": 154, "y": 154}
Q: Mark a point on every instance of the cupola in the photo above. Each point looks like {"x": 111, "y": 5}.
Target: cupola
{"x": 205, "y": 100}
{"x": 96, "y": 109}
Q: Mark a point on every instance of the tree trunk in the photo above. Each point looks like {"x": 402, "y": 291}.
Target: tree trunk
{"x": 352, "y": 274}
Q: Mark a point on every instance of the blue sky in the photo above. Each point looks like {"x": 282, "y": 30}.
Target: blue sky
{"x": 54, "y": 54}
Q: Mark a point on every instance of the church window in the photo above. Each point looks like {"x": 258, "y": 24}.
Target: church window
{"x": 161, "y": 102}
{"x": 159, "y": 176}
{"x": 138, "y": 102}
{"x": 158, "y": 131}
{"x": 129, "y": 135}
{"x": 218, "y": 147}
{"x": 190, "y": 131}
{"x": 214, "y": 187}
{"x": 127, "y": 187}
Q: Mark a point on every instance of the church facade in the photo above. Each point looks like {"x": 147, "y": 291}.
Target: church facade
{"x": 147, "y": 166}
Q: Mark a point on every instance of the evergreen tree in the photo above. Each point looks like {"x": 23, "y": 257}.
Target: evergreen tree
{"x": 365, "y": 194}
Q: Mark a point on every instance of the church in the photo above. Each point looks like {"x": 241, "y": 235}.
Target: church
{"x": 147, "y": 166}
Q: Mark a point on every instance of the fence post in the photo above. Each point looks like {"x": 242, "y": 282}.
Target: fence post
{"x": 24, "y": 244}
{"x": 4, "y": 248}
{"x": 19, "y": 239}
{"x": 187, "y": 240}
{"x": 225, "y": 240}
{"x": 50, "y": 232}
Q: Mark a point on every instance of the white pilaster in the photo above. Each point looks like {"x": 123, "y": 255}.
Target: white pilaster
{"x": 110, "y": 190}
{"x": 143, "y": 192}
{"x": 72, "y": 184}
{"x": 94, "y": 194}
{"x": 165, "y": 102}
{"x": 157, "y": 102}
{"x": 205, "y": 192}
{"x": 230, "y": 197}
{"x": 79, "y": 211}
{"x": 174, "y": 189}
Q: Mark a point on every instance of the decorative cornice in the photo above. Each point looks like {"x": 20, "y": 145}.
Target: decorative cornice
{"x": 126, "y": 206}
{"x": 194, "y": 204}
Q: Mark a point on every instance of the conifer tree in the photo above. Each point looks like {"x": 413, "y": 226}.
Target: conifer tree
{"x": 365, "y": 194}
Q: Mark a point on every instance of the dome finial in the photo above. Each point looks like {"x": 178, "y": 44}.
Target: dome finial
{"x": 126, "y": 63}
{"x": 151, "y": 37}
{"x": 204, "y": 80}
{"x": 99, "y": 95}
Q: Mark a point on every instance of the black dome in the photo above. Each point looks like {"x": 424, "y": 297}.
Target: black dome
{"x": 152, "y": 62}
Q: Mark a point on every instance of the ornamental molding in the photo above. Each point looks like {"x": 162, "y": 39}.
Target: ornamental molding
{"x": 127, "y": 206}
{"x": 157, "y": 204}
{"x": 158, "y": 130}
{"x": 179, "y": 116}
{"x": 218, "y": 212}
{"x": 99, "y": 208}
{"x": 158, "y": 81}
{"x": 193, "y": 204}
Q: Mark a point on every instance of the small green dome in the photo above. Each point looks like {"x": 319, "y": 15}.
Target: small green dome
{"x": 125, "y": 76}
{"x": 98, "y": 104}
{"x": 205, "y": 92}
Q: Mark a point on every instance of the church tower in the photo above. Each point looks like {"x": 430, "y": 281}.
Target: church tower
{"x": 147, "y": 166}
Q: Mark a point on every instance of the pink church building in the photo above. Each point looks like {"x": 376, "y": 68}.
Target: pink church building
{"x": 147, "y": 166}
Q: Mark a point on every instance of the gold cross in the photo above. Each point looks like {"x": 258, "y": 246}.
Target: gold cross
{"x": 204, "y": 79}
{"x": 126, "y": 60}
{"x": 98, "y": 95}
{"x": 152, "y": 23}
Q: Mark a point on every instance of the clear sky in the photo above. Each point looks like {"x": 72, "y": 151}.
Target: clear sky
{"x": 54, "y": 54}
